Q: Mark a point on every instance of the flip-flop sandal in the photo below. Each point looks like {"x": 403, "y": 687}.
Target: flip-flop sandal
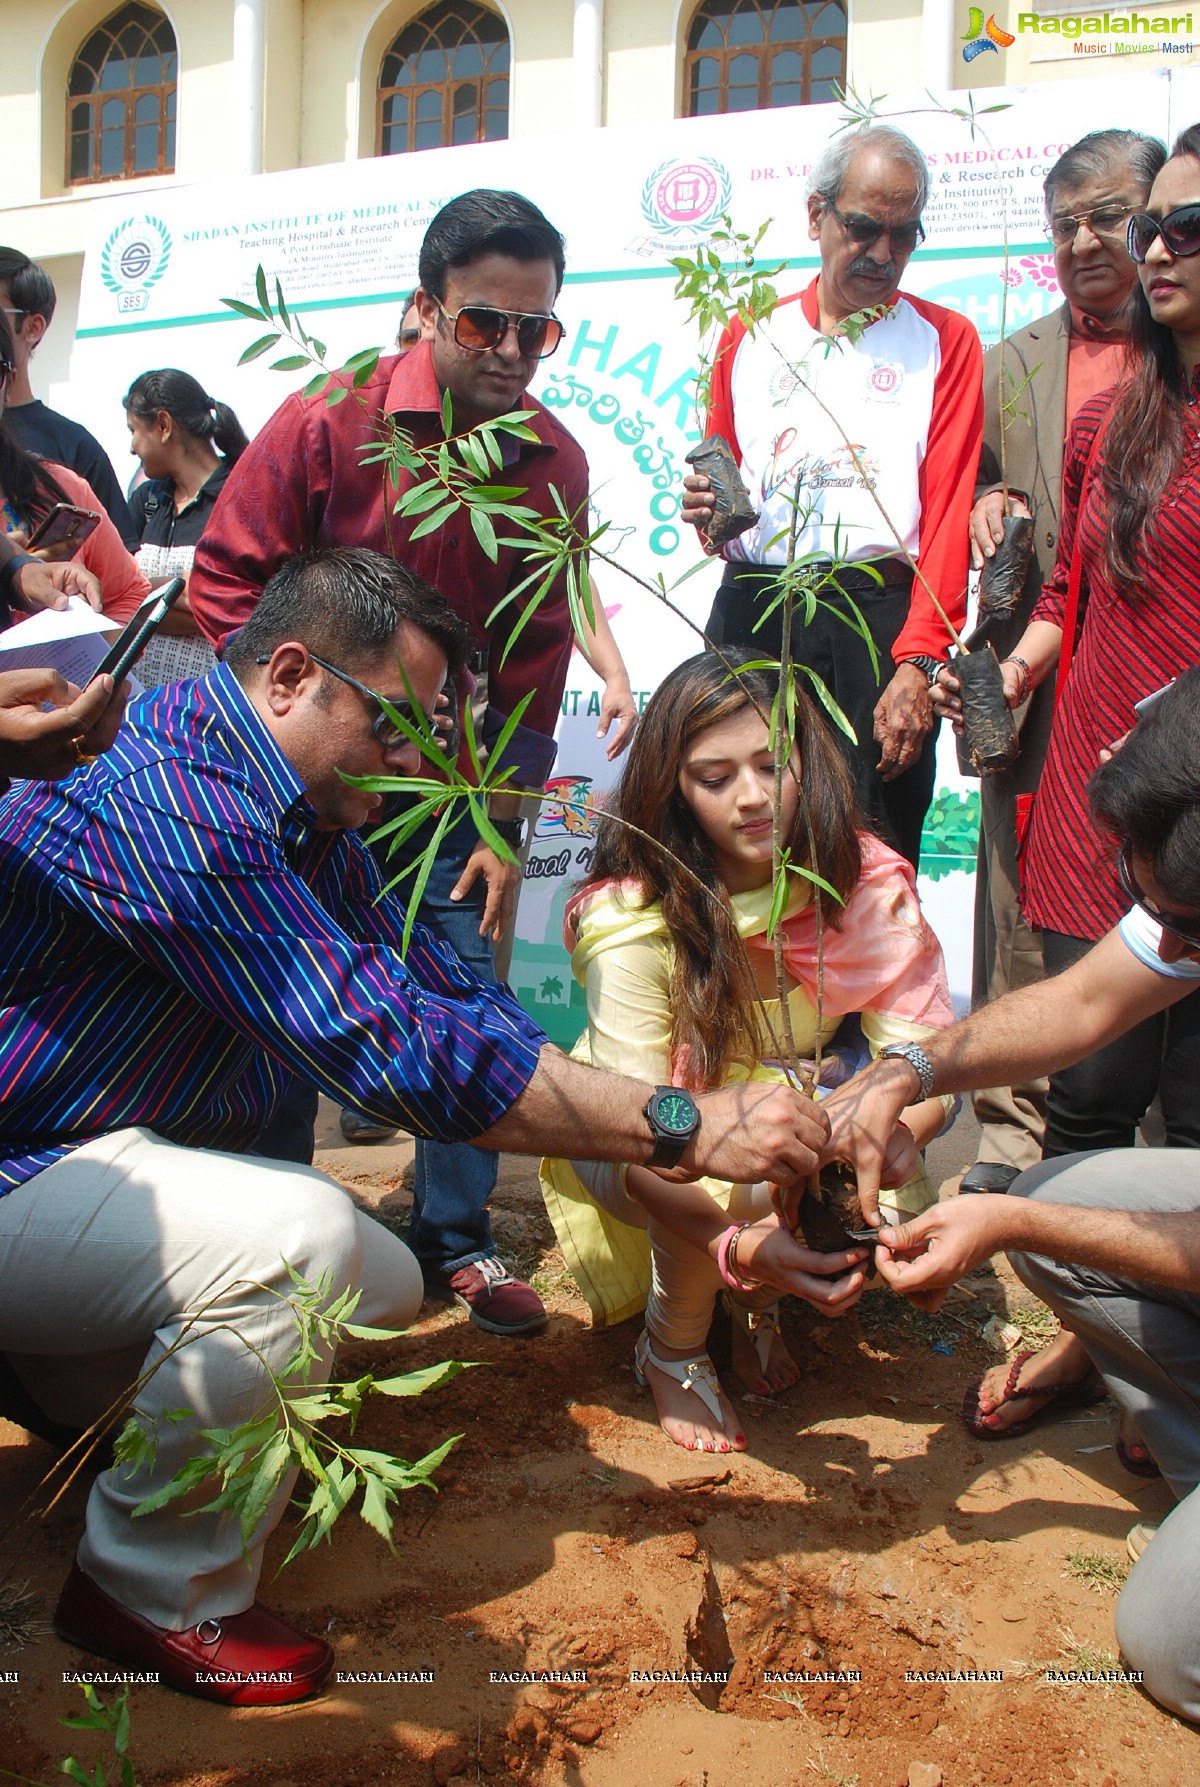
{"x": 1145, "y": 1466}
{"x": 690, "y": 1374}
{"x": 1079, "y": 1395}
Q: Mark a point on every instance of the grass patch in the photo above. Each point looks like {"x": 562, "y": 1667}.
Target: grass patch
{"x": 1075, "y": 1653}
{"x": 1106, "y": 1575}
{"x": 1039, "y": 1326}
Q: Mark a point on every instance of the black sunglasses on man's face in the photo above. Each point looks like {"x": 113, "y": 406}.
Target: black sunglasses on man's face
{"x": 1184, "y": 930}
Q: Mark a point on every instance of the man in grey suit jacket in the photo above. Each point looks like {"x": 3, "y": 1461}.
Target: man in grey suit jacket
{"x": 1049, "y": 368}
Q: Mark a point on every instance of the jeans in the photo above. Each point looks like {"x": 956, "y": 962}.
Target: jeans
{"x": 836, "y": 651}
{"x": 1145, "y": 1342}
{"x": 1100, "y": 1101}
{"x": 450, "y": 1224}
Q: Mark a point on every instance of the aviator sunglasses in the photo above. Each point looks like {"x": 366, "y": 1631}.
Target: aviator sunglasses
{"x": 478, "y": 328}
{"x": 1179, "y": 229}
{"x": 443, "y": 725}
{"x": 866, "y": 231}
{"x": 1186, "y": 931}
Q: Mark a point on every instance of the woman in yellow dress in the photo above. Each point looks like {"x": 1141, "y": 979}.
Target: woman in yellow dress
{"x": 670, "y": 938}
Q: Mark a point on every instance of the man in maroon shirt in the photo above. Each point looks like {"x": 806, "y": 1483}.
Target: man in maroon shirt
{"x": 491, "y": 267}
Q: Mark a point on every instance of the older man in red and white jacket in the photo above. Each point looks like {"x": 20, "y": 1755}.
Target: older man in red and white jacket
{"x": 856, "y": 416}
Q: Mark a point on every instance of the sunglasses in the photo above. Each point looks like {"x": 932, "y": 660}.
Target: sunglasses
{"x": 866, "y": 232}
{"x": 479, "y": 329}
{"x": 444, "y": 726}
{"x": 1179, "y": 229}
{"x": 1108, "y": 220}
{"x": 1186, "y": 931}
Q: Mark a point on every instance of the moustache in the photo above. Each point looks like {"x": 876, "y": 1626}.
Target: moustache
{"x": 865, "y": 268}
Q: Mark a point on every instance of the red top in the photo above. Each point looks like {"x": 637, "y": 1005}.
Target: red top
{"x": 1129, "y": 645}
{"x": 301, "y": 484}
{"x": 909, "y": 392}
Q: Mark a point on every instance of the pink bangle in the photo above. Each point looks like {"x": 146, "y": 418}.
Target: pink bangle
{"x": 725, "y": 1248}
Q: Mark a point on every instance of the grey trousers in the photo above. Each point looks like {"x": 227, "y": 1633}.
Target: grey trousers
{"x": 1146, "y": 1343}
{"x": 129, "y": 1245}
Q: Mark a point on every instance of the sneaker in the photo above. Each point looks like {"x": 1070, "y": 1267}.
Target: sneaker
{"x": 1139, "y": 1537}
{"x": 495, "y": 1300}
{"x": 357, "y": 1128}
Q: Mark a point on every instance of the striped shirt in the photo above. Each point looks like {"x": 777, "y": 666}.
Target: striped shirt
{"x": 1130, "y": 643}
{"x": 177, "y": 939}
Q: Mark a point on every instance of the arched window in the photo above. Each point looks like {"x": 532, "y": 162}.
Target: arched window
{"x": 746, "y": 55}
{"x": 445, "y": 80}
{"x": 121, "y": 99}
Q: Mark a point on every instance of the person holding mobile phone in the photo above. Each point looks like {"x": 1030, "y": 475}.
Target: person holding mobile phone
{"x": 30, "y": 488}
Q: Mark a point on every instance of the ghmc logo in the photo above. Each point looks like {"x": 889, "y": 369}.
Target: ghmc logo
{"x": 979, "y": 37}
{"x": 134, "y": 258}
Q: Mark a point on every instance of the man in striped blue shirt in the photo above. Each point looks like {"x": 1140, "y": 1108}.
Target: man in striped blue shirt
{"x": 187, "y": 924}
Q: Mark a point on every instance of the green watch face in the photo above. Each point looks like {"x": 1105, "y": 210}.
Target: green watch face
{"x": 676, "y": 1112}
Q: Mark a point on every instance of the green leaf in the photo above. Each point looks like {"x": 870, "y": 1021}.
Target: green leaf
{"x": 779, "y": 898}
{"x": 828, "y": 703}
{"x": 291, "y": 363}
{"x": 806, "y": 874}
{"x": 485, "y": 533}
{"x": 260, "y": 283}
{"x": 375, "y": 1508}
{"x": 280, "y": 306}
{"x": 427, "y": 1377}
{"x": 447, "y": 413}
{"x": 337, "y": 395}
{"x": 261, "y": 346}
{"x": 250, "y": 311}
{"x": 367, "y": 356}
{"x": 431, "y": 522}
{"x": 316, "y": 385}
{"x": 424, "y": 871}
{"x": 366, "y": 373}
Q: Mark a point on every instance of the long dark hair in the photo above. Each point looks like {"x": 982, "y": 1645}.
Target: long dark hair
{"x": 189, "y": 407}
{"x": 1147, "y": 432}
{"x": 28, "y": 483}
{"x": 712, "y": 991}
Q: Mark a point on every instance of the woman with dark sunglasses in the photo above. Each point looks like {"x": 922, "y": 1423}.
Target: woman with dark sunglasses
{"x": 1131, "y": 529}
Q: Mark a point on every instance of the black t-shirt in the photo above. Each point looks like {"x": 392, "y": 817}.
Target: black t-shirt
{"x": 43, "y": 431}
{"x": 155, "y": 520}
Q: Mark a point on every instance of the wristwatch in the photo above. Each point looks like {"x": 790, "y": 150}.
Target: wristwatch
{"x": 511, "y": 830}
{"x": 927, "y": 665}
{"x": 917, "y": 1059}
{"x": 674, "y": 1118}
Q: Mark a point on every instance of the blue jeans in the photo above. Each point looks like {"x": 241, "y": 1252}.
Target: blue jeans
{"x": 450, "y": 1225}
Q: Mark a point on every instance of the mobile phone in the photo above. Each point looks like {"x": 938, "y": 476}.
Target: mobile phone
{"x": 1142, "y": 708}
{"x": 65, "y": 525}
{"x": 137, "y": 633}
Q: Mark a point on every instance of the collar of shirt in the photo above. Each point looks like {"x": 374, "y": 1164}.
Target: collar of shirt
{"x": 812, "y": 308}
{"x": 413, "y": 390}
{"x": 221, "y": 691}
{"x": 1092, "y": 329}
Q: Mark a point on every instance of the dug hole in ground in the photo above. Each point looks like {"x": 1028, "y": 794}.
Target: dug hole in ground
{"x": 865, "y": 1531}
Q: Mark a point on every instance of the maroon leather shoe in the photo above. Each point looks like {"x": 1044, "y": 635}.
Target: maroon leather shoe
{"x": 243, "y": 1659}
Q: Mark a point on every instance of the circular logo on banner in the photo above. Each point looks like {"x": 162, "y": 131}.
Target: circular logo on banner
{"x": 134, "y": 258}
{"x": 684, "y": 199}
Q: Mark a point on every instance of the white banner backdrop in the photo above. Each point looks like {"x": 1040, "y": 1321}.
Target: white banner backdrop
{"x": 344, "y": 239}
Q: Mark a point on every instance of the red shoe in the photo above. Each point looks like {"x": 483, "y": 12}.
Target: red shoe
{"x": 494, "y": 1299}
{"x": 244, "y": 1659}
